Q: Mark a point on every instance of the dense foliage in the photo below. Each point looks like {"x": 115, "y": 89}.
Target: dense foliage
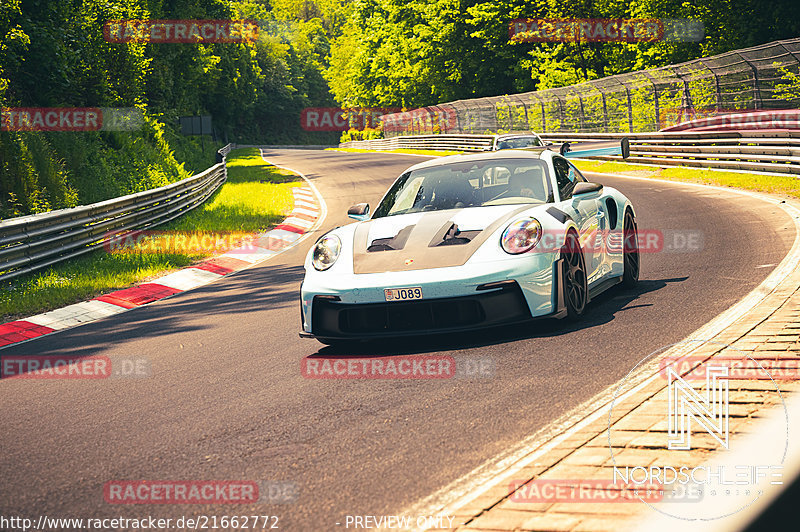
{"x": 417, "y": 52}
{"x": 53, "y": 54}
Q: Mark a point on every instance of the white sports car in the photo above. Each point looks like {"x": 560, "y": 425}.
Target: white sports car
{"x": 472, "y": 241}
{"x": 516, "y": 141}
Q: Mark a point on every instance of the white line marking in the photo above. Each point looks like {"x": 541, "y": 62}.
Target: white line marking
{"x": 307, "y": 212}
{"x": 282, "y": 234}
{"x": 253, "y": 255}
{"x": 74, "y": 314}
{"x": 297, "y": 222}
{"x": 187, "y": 278}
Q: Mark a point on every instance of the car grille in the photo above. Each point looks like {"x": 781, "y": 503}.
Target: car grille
{"x": 336, "y": 319}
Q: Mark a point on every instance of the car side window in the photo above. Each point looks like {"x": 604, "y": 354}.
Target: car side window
{"x": 574, "y": 170}
{"x": 565, "y": 177}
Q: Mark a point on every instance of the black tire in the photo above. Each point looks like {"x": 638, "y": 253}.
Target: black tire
{"x": 576, "y": 288}
{"x": 630, "y": 251}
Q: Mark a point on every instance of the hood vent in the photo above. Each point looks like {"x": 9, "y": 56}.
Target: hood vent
{"x": 394, "y": 243}
{"x": 451, "y": 235}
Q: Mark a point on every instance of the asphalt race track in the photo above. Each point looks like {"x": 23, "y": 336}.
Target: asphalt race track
{"x": 226, "y": 399}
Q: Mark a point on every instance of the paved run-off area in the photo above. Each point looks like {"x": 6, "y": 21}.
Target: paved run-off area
{"x": 568, "y": 482}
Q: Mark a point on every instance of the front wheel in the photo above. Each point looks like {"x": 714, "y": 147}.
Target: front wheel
{"x": 630, "y": 251}
{"x": 576, "y": 288}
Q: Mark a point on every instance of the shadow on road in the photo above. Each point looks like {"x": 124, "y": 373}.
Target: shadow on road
{"x": 247, "y": 291}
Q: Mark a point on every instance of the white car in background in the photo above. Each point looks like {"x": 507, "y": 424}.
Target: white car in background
{"x": 516, "y": 141}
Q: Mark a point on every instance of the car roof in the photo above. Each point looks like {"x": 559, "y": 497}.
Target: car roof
{"x": 481, "y": 156}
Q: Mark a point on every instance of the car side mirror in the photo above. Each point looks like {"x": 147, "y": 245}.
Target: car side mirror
{"x": 586, "y": 188}
{"x": 359, "y": 212}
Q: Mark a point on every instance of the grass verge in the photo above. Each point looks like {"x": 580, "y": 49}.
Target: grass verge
{"x": 254, "y": 198}
{"x": 773, "y": 184}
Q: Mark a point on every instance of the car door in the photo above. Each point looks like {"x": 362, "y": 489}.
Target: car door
{"x": 584, "y": 210}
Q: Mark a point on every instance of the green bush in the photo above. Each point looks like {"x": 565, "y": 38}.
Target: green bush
{"x": 361, "y": 134}
{"x": 42, "y": 171}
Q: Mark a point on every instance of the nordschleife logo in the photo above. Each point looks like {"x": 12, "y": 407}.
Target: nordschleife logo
{"x": 685, "y": 405}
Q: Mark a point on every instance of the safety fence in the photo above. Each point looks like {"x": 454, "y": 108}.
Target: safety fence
{"x": 29, "y": 243}
{"x": 757, "y": 78}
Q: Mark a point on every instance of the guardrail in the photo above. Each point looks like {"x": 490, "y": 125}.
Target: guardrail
{"x": 776, "y": 152}
{"x": 424, "y": 142}
{"x": 30, "y": 243}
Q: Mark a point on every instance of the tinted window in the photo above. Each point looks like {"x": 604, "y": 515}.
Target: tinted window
{"x": 468, "y": 184}
{"x": 565, "y": 177}
{"x": 577, "y": 172}
{"x": 518, "y": 142}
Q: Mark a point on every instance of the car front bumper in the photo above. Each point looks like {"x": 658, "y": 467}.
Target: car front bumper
{"x": 354, "y": 306}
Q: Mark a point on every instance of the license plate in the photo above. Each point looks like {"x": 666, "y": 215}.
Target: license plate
{"x": 403, "y": 294}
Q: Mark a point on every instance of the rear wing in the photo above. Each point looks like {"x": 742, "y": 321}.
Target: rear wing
{"x": 594, "y": 149}
{"x": 585, "y": 149}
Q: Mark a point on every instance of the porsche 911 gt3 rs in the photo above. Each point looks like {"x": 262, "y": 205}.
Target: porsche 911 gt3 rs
{"x": 470, "y": 241}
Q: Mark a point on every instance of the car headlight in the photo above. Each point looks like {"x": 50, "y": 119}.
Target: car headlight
{"x": 521, "y": 236}
{"x": 326, "y": 251}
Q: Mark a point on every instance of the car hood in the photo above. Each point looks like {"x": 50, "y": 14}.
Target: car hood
{"x": 423, "y": 240}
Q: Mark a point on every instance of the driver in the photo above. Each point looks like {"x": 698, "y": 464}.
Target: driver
{"x": 526, "y": 184}
{"x": 453, "y": 193}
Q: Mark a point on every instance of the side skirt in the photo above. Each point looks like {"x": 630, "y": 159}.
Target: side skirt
{"x": 558, "y": 291}
{"x": 602, "y": 286}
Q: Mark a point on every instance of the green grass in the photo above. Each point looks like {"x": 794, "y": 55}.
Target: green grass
{"x": 254, "y": 198}
{"x": 773, "y": 184}
{"x": 432, "y": 153}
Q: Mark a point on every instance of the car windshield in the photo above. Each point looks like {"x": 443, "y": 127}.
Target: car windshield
{"x": 468, "y": 184}
{"x": 527, "y": 141}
